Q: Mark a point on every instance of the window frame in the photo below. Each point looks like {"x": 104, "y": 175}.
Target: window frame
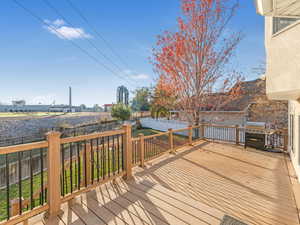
{"x": 276, "y": 28}
{"x": 292, "y": 132}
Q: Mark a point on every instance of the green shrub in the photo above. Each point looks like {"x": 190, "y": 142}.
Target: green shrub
{"x": 121, "y": 112}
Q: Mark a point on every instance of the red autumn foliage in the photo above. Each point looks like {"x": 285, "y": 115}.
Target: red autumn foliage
{"x": 191, "y": 62}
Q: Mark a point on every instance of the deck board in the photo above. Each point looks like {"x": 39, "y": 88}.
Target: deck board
{"x": 199, "y": 185}
{"x": 250, "y": 185}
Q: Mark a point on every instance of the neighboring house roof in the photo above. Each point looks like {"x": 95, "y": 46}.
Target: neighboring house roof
{"x": 251, "y": 91}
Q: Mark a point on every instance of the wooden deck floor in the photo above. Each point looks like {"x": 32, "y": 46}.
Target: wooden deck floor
{"x": 197, "y": 186}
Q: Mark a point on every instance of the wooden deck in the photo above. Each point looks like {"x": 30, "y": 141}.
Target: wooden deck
{"x": 199, "y": 185}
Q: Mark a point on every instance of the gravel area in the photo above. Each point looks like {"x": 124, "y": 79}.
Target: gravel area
{"x": 20, "y": 127}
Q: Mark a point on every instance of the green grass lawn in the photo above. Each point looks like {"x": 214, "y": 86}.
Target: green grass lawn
{"x": 148, "y": 132}
{"x": 14, "y": 193}
{"x": 145, "y": 131}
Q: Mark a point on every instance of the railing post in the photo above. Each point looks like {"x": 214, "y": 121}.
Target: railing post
{"x": 237, "y": 135}
{"x": 171, "y": 141}
{"x": 285, "y": 140}
{"x": 88, "y": 161}
{"x": 202, "y": 131}
{"x": 127, "y": 143}
{"x": 54, "y": 161}
{"x": 190, "y": 135}
{"x": 142, "y": 148}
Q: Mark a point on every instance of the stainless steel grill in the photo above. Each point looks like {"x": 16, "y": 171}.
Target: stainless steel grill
{"x": 255, "y": 135}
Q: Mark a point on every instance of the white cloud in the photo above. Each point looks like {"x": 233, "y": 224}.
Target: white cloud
{"x": 58, "y": 22}
{"x": 140, "y": 76}
{"x": 62, "y": 31}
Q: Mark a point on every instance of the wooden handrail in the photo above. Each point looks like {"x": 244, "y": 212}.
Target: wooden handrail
{"x": 181, "y": 129}
{"x": 26, "y": 215}
{"x": 90, "y": 136}
{"x": 213, "y": 125}
{"x": 23, "y": 147}
{"x": 135, "y": 139}
{"x": 156, "y": 135}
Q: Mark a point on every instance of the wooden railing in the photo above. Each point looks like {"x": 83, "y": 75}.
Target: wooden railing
{"x": 73, "y": 165}
{"x": 77, "y": 164}
{"x": 28, "y": 196}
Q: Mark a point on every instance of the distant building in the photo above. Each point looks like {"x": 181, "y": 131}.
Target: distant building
{"x": 64, "y": 108}
{"x": 20, "y": 106}
{"x": 38, "y": 108}
{"x": 108, "y": 107}
{"x": 123, "y": 95}
{"x": 24, "y": 108}
{"x": 19, "y": 103}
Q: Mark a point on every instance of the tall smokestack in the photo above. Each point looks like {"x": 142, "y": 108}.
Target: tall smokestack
{"x": 70, "y": 98}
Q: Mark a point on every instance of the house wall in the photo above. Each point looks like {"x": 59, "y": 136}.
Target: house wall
{"x": 283, "y": 78}
{"x": 294, "y": 146}
{"x": 283, "y": 57}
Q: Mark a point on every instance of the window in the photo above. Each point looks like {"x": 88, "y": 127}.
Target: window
{"x": 279, "y": 23}
{"x": 292, "y": 132}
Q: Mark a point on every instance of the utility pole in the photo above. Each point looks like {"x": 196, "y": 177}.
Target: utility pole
{"x": 70, "y": 98}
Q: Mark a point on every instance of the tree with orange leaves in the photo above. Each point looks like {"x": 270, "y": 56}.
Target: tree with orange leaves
{"x": 191, "y": 62}
{"x": 163, "y": 100}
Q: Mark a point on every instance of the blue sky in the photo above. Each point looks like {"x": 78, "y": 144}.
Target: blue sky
{"x": 38, "y": 66}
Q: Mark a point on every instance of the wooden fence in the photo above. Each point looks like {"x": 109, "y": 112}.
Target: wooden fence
{"x": 70, "y": 166}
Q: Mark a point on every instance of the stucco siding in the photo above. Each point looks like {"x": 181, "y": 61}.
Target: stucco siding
{"x": 283, "y": 57}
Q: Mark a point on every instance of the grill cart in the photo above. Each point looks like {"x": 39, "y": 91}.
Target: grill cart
{"x": 257, "y": 136}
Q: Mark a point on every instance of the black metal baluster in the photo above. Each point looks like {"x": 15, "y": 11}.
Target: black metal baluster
{"x": 66, "y": 181}
{"x": 63, "y": 169}
{"x": 31, "y": 181}
{"x": 76, "y": 171}
{"x": 147, "y": 148}
{"x": 85, "y": 166}
{"x": 133, "y": 151}
{"x": 71, "y": 167}
{"x": 98, "y": 163}
{"x": 20, "y": 182}
{"x": 118, "y": 153}
{"x": 79, "y": 166}
{"x": 122, "y": 152}
{"x": 103, "y": 158}
{"x": 152, "y": 147}
{"x": 136, "y": 152}
{"x": 108, "y": 148}
{"x": 42, "y": 175}
{"x": 113, "y": 155}
{"x": 7, "y": 187}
